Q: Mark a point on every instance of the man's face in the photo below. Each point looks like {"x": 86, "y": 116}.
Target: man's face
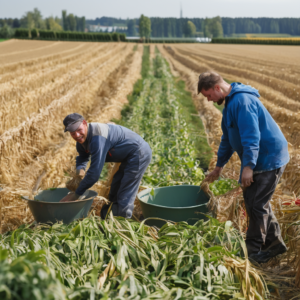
{"x": 214, "y": 94}
{"x": 80, "y": 134}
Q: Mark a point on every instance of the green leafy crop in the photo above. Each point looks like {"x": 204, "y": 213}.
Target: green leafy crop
{"x": 222, "y": 186}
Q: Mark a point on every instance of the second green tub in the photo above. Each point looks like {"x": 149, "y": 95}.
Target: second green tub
{"x": 174, "y": 203}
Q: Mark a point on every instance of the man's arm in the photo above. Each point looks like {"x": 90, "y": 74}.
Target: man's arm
{"x": 98, "y": 149}
{"x": 247, "y": 116}
{"x": 82, "y": 159}
{"x": 224, "y": 153}
{"x": 225, "y": 150}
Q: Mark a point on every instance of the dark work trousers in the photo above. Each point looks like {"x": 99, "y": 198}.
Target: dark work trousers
{"x": 263, "y": 231}
{"x": 126, "y": 181}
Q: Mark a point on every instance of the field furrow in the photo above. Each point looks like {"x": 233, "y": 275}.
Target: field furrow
{"x": 48, "y": 57}
{"x": 286, "y": 56}
{"x": 33, "y": 137}
{"x": 20, "y": 102}
{"x": 46, "y": 65}
{"x": 284, "y": 72}
{"x": 24, "y": 55}
{"x": 19, "y": 46}
{"x": 290, "y": 90}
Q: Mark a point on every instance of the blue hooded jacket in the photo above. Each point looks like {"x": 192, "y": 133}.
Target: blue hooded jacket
{"x": 249, "y": 129}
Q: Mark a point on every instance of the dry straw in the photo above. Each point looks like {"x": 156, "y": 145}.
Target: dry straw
{"x": 48, "y": 164}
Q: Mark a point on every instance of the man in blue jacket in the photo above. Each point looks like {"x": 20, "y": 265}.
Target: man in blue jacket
{"x": 249, "y": 129}
{"x": 109, "y": 143}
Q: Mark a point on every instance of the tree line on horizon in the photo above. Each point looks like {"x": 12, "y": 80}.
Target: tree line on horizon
{"x": 209, "y": 27}
{"x": 34, "y": 20}
{"x": 155, "y": 27}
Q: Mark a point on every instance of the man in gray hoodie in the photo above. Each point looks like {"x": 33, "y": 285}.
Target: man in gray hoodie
{"x": 109, "y": 143}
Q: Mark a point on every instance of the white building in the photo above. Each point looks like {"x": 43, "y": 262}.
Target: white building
{"x": 100, "y": 28}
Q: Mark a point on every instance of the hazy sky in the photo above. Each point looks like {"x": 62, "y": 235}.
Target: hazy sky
{"x": 154, "y": 8}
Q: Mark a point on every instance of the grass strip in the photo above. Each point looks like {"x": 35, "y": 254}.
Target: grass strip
{"x": 163, "y": 113}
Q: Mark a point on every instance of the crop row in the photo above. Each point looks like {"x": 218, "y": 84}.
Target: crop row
{"x": 158, "y": 116}
{"x": 21, "y": 97}
{"x": 288, "y": 89}
{"x": 285, "y": 70}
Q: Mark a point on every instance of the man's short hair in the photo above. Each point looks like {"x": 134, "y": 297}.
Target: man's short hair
{"x": 208, "y": 80}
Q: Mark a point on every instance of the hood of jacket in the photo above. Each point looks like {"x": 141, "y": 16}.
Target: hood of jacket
{"x": 238, "y": 87}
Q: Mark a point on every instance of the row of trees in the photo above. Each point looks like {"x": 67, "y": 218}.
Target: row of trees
{"x": 72, "y": 23}
{"x": 217, "y": 27}
{"x": 212, "y": 27}
{"x": 34, "y": 19}
{"x": 159, "y": 27}
{"x": 172, "y": 27}
{"x": 261, "y": 25}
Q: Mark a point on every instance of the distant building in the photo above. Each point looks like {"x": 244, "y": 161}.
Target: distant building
{"x": 100, "y": 28}
{"x": 181, "y": 15}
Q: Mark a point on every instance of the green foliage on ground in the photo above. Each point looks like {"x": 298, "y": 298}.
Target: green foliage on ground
{"x": 163, "y": 113}
{"x": 223, "y": 185}
{"x": 135, "y": 262}
{"x": 196, "y": 128}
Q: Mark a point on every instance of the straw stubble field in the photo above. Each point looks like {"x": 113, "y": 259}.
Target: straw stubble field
{"x": 41, "y": 82}
{"x": 92, "y": 79}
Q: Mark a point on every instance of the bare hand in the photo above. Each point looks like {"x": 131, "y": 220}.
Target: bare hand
{"x": 214, "y": 175}
{"x": 247, "y": 177}
{"x": 70, "y": 197}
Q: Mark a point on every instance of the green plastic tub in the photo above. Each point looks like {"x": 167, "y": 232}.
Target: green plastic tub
{"x": 46, "y": 207}
{"x": 174, "y": 203}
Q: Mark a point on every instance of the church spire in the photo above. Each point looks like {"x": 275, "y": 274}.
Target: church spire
{"x": 181, "y": 16}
